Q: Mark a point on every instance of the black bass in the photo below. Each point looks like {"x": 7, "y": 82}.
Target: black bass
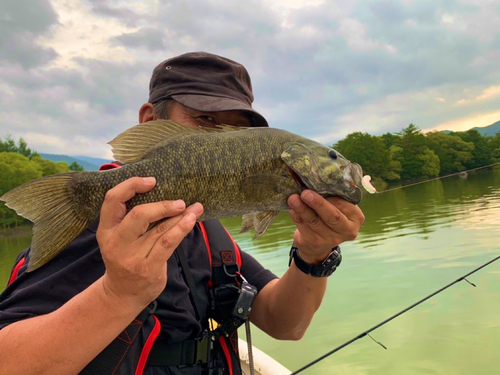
{"x": 231, "y": 171}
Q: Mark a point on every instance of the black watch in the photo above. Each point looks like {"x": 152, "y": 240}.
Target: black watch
{"x": 327, "y": 267}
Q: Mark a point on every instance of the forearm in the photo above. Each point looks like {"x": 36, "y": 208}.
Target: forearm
{"x": 285, "y": 307}
{"x": 66, "y": 340}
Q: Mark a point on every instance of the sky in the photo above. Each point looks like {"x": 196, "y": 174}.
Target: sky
{"x": 74, "y": 73}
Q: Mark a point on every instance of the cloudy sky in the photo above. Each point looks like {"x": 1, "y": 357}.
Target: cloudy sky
{"x": 73, "y": 73}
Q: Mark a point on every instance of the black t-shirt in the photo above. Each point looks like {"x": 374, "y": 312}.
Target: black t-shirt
{"x": 80, "y": 264}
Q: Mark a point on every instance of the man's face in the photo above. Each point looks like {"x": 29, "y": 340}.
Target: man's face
{"x": 193, "y": 118}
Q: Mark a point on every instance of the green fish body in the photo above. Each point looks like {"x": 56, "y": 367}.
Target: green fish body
{"x": 231, "y": 171}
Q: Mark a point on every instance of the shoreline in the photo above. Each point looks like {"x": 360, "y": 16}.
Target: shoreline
{"x": 14, "y": 232}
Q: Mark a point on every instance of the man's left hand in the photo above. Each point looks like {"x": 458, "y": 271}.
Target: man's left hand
{"x": 322, "y": 223}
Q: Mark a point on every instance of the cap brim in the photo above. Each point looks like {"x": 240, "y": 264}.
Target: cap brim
{"x": 207, "y": 103}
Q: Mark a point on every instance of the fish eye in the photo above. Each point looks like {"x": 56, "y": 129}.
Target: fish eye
{"x": 332, "y": 154}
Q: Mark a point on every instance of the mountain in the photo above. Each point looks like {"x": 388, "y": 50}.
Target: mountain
{"x": 88, "y": 163}
{"x": 492, "y": 129}
{"x": 96, "y": 161}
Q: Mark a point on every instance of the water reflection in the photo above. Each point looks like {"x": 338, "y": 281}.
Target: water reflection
{"x": 414, "y": 241}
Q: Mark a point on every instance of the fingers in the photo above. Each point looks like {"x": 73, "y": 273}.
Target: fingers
{"x": 152, "y": 236}
{"x": 138, "y": 220}
{"x": 113, "y": 209}
{"x": 331, "y": 219}
{"x": 169, "y": 240}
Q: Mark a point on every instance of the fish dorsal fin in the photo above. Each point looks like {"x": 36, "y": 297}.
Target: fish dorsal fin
{"x": 134, "y": 143}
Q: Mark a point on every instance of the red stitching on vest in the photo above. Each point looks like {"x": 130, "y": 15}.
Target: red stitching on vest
{"x": 227, "y": 256}
{"x": 236, "y": 249}
{"x": 136, "y": 322}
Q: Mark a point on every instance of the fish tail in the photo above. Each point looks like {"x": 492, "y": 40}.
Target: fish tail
{"x": 49, "y": 202}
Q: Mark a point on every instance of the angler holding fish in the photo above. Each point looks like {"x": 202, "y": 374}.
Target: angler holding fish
{"x": 129, "y": 270}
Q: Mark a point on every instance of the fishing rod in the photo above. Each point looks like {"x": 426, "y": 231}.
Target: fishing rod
{"x": 438, "y": 178}
{"x": 367, "y": 332}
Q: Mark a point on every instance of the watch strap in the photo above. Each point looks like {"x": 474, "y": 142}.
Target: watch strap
{"x": 325, "y": 269}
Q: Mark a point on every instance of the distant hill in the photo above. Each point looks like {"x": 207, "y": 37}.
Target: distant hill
{"x": 96, "y": 161}
{"x": 492, "y": 129}
{"x": 88, "y": 163}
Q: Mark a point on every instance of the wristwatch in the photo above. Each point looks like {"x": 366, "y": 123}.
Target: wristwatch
{"x": 327, "y": 267}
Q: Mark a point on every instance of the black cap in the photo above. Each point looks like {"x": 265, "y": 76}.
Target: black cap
{"x": 205, "y": 82}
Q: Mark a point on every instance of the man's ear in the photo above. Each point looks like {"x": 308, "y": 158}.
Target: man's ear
{"x": 147, "y": 113}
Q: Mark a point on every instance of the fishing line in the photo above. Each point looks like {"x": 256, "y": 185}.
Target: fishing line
{"x": 367, "y": 332}
{"x": 438, "y": 178}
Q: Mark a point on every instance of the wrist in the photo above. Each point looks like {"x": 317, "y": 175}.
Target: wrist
{"x": 327, "y": 266}
{"x": 127, "y": 304}
{"x": 314, "y": 257}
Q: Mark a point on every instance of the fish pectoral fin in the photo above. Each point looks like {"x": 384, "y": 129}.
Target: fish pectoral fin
{"x": 258, "y": 220}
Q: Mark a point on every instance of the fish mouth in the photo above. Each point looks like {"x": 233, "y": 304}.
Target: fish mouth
{"x": 352, "y": 174}
{"x": 300, "y": 183}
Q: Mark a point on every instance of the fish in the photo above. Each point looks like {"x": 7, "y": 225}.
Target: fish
{"x": 230, "y": 170}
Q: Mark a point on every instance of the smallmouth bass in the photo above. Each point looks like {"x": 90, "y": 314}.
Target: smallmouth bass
{"x": 231, "y": 171}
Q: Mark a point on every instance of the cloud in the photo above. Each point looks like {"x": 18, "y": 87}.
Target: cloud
{"x": 79, "y": 71}
{"x": 21, "y": 23}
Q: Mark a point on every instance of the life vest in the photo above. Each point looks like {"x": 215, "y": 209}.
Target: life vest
{"x": 130, "y": 352}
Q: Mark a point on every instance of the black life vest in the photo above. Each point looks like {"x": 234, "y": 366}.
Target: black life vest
{"x": 129, "y": 352}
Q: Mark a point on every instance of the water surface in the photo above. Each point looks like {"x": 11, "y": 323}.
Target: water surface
{"x": 414, "y": 241}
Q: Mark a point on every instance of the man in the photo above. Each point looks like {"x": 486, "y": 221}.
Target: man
{"x": 57, "y": 319}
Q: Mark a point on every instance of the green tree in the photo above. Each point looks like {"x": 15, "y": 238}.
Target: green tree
{"x": 48, "y": 167}
{"x": 389, "y": 139}
{"x": 494, "y": 146}
{"x": 75, "y": 167}
{"x": 22, "y": 148}
{"x": 370, "y": 152}
{"x": 15, "y": 169}
{"x": 481, "y": 155}
{"x": 413, "y": 154}
{"x": 452, "y": 151}
{"x": 8, "y": 144}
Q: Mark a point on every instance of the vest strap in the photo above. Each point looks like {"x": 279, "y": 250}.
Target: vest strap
{"x": 181, "y": 354}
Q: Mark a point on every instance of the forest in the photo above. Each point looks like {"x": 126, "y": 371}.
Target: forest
{"x": 19, "y": 164}
{"x": 411, "y": 155}
{"x": 389, "y": 159}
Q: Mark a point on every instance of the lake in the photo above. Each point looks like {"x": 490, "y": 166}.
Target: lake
{"x": 414, "y": 241}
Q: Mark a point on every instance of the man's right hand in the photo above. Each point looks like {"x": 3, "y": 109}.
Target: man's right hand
{"x": 136, "y": 259}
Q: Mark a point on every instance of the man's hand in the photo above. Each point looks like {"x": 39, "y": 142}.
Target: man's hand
{"x": 136, "y": 259}
{"x": 322, "y": 223}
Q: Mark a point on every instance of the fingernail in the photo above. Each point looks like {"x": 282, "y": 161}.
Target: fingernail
{"x": 179, "y": 203}
{"x": 149, "y": 180}
{"x": 294, "y": 202}
{"x": 308, "y": 197}
{"x": 197, "y": 207}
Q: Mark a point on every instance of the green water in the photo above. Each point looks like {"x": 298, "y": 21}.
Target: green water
{"x": 414, "y": 241}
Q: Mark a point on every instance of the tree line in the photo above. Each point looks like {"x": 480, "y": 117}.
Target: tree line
{"x": 410, "y": 155}
{"x": 19, "y": 164}
{"x": 404, "y": 156}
